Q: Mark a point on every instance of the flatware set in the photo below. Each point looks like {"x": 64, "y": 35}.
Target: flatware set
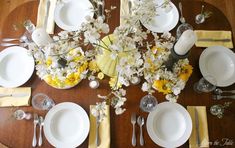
{"x": 140, "y": 122}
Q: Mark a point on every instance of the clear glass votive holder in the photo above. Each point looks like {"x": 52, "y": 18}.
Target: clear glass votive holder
{"x": 20, "y": 115}
{"x": 148, "y": 103}
{"x": 41, "y": 101}
{"x": 205, "y": 84}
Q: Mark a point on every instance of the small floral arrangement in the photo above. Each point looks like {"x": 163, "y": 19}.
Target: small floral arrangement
{"x": 170, "y": 83}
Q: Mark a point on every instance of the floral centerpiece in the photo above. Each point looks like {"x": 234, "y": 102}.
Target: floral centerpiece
{"x": 129, "y": 53}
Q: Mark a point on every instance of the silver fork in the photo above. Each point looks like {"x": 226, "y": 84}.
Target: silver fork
{"x": 133, "y": 121}
{"x": 21, "y": 39}
{"x": 35, "y": 122}
{"x": 9, "y": 44}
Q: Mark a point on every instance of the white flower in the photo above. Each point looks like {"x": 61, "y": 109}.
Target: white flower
{"x": 171, "y": 97}
{"x": 119, "y": 111}
{"x": 145, "y": 86}
{"x": 176, "y": 90}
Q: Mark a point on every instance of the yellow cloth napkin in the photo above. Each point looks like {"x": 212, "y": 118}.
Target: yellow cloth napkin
{"x": 203, "y": 128}
{"x": 124, "y": 10}
{"x": 20, "y": 98}
{"x": 46, "y": 17}
{"x": 104, "y": 130}
{"x": 214, "y": 36}
{"x": 3, "y": 146}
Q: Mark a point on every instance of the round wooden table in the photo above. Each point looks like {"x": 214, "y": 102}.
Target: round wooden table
{"x": 18, "y": 134}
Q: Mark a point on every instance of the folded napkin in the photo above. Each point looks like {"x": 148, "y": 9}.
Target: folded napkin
{"x": 45, "y": 16}
{"x": 212, "y": 38}
{"x": 3, "y": 146}
{"x": 20, "y": 96}
{"x": 203, "y": 128}
{"x": 104, "y": 130}
{"x": 124, "y": 10}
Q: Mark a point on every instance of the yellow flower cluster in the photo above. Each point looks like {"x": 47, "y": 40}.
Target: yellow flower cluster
{"x": 186, "y": 72}
{"x": 71, "y": 79}
{"x": 93, "y": 66}
{"x": 162, "y": 86}
{"x": 114, "y": 84}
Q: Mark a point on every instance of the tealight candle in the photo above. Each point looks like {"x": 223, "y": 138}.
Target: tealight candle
{"x": 185, "y": 42}
{"x": 135, "y": 80}
{"x": 40, "y": 37}
{"x": 94, "y": 84}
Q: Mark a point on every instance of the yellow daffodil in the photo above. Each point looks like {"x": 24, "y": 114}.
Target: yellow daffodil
{"x": 162, "y": 86}
{"x": 114, "y": 84}
{"x": 93, "y": 66}
{"x": 186, "y": 72}
{"x": 48, "y": 61}
{"x": 82, "y": 68}
{"x": 72, "y": 79}
{"x": 52, "y": 81}
{"x": 100, "y": 75}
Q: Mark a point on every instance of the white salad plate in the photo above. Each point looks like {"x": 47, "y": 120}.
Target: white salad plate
{"x": 218, "y": 62}
{"x": 169, "y": 125}
{"x": 163, "y": 21}
{"x": 70, "y": 14}
{"x": 16, "y": 66}
{"x": 66, "y": 125}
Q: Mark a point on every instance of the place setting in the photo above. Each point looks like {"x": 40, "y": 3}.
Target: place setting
{"x": 88, "y": 55}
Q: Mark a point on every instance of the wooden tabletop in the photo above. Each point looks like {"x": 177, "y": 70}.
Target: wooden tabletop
{"x": 18, "y": 134}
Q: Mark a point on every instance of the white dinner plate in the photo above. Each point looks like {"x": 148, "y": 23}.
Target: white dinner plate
{"x": 70, "y": 14}
{"x": 66, "y": 125}
{"x": 163, "y": 21}
{"x": 16, "y": 66}
{"x": 218, "y": 62}
{"x": 169, "y": 125}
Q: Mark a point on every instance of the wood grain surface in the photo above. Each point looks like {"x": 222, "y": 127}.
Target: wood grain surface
{"x": 18, "y": 134}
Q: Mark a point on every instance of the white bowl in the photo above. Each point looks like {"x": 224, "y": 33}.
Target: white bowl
{"x": 70, "y": 14}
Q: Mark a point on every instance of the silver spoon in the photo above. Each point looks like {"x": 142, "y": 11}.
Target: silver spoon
{"x": 200, "y": 18}
{"x": 140, "y": 122}
{"x": 182, "y": 19}
{"x": 219, "y": 97}
{"x": 41, "y": 123}
{"x": 218, "y": 91}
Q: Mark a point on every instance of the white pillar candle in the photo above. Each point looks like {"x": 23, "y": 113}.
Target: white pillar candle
{"x": 185, "y": 42}
{"x": 40, "y": 37}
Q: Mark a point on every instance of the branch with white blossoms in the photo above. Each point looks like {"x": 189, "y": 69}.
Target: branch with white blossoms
{"x": 115, "y": 98}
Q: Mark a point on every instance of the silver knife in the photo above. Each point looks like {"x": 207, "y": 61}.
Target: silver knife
{"x": 97, "y": 130}
{"x": 197, "y": 127}
{"x": 213, "y": 40}
{"x": 13, "y": 95}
